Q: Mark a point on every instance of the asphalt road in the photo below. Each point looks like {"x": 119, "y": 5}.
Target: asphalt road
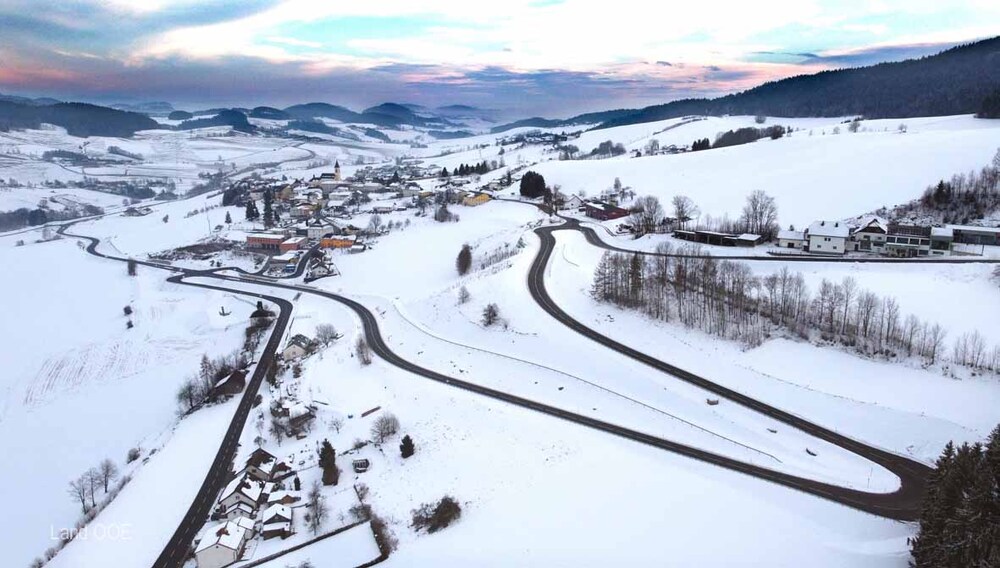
{"x": 903, "y": 504}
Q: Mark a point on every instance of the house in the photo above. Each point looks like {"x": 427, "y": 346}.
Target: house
{"x": 828, "y": 237}
{"x": 791, "y": 239}
{"x": 298, "y": 346}
{"x": 293, "y": 243}
{"x": 361, "y": 465}
{"x": 276, "y": 520}
{"x": 231, "y": 385}
{"x": 223, "y": 544}
{"x": 265, "y": 241}
{"x": 302, "y": 211}
{"x": 476, "y": 199}
{"x": 383, "y": 209}
{"x": 237, "y": 510}
{"x": 284, "y": 497}
{"x": 411, "y": 189}
{"x": 573, "y": 202}
{"x": 261, "y": 315}
{"x": 870, "y": 235}
{"x": 300, "y": 416}
{"x": 242, "y": 489}
{"x": 603, "y": 211}
{"x": 319, "y": 230}
{"x": 260, "y": 466}
{"x": 338, "y": 241}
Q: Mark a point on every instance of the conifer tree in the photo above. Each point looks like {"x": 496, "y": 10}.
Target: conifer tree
{"x": 406, "y": 447}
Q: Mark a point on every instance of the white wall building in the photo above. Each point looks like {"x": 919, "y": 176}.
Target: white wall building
{"x": 223, "y": 544}
{"x": 828, "y": 237}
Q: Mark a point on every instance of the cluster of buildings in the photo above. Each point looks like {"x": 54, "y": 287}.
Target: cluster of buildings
{"x": 254, "y": 502}
{"x": 876, "y": 235}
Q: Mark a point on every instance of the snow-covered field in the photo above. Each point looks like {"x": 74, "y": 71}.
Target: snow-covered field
{"x": 816, "y": 176}
{"x": 79, "y": 387}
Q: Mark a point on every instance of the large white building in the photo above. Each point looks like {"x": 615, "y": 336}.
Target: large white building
{"x": 828, "y": 237}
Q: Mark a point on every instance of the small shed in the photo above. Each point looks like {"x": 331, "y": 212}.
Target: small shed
{"x": 361, "y": 465}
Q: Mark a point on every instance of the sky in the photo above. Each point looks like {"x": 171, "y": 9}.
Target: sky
{"x": 522, "y": 57}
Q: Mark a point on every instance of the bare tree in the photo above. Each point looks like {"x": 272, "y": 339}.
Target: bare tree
{"x": 684, "y": 209}
{"x": 78, "y": 489}
{"x": 375, "y": 224}
{"x": 760, "y": 215}
{"x": 463, "y": 295}
{"x": 108, "y": 471}
{"x": 384, "y": 427}
{"x": 326, "y": 333}
{"x": 277, "y": 430}
{"x": 93, "y": 477}
{"x": 336, "y": 425}
{"x": 316, "y": 503}
{"x": 646, "y": 215}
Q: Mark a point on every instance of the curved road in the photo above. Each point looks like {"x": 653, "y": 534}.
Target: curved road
{"x": 903, "y": 504}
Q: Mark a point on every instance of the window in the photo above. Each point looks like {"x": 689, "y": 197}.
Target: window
{"x": 890, "y": 239}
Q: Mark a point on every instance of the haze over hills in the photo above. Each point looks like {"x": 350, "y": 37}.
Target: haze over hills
{"x": 955, "y": 81}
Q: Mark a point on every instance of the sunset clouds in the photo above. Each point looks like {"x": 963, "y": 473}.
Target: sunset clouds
{"x": 555, "y": 57}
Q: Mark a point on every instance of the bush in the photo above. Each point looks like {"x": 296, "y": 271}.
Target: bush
{"x": 532, "y": 185}
{"x": 133, "y": 454}
{"x": 435, "y": 517}
{"x": 491, "y": 313}
{"x": 384, "y": 538}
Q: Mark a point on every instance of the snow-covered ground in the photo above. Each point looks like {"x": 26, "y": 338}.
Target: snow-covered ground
{"x": 534, "y": 490}
{"x": 78, "y": 386}
{"x": 816, "y": 176}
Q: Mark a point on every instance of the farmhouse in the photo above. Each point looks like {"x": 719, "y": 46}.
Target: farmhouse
{"x": 603, "y": 211}
{"x": 828, "y": 237}
{"x": 232, "y": 384}
{"x": 298, "y": 346}
{"x": 223, "y": 544}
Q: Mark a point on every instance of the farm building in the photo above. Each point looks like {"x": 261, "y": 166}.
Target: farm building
{"x": 476, "y": 199}
{"x": 230, "y": 385}
{"x": 603, "y": 211}
{"x": 791, "y": 239}
{"x": 223, "y": 544}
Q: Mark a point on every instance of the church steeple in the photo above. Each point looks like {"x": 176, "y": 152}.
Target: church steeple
{"x": 336, "y": 170}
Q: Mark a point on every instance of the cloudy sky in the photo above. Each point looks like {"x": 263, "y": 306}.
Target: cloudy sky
{"x": 551, "y": 57}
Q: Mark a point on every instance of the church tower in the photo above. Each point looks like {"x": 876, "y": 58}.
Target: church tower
{"x": 336, "y": 170}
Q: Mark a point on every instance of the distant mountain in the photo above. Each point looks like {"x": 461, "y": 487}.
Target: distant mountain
{"x": 955, "y": 81}
{"x": 322, "y": 110}
{"x": 159, "y": 108}
{"x": 226, "y": 117}
{"x": 269, "y": 113}
{"x": 460, "y": 112}
{"x": 28, "y": 101}
{"x": 449, "y": 134}
{"x": 180, "y": 115}
{"x": 580, "y": 119}
{"x": 79, "y": 119}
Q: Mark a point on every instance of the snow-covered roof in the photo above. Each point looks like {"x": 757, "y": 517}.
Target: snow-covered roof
{"x": 873, "y": 221}
{"x": 245, "y": 485}
{"x": 295, "y": 240}
{"x": 942, "y": 232}
{"x": 790, "y": 235}
{"x": 229, "y": 534}
{"x": 281, "y": 495}
{"x": 276, "y": 510}
{"x": 281, "y": 526}
{"x": 829, "y": 229}
{"x": 287, "y": 257}
{"x": 298, "y": 409}
{"x": 748, "y": 237}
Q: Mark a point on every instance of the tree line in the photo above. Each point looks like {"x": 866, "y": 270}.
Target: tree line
{"x": 726, "y": 299}
{"x": 960, "y": 519}
{"x": 759, "y": 216}
{"x": 963, "y": 198}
